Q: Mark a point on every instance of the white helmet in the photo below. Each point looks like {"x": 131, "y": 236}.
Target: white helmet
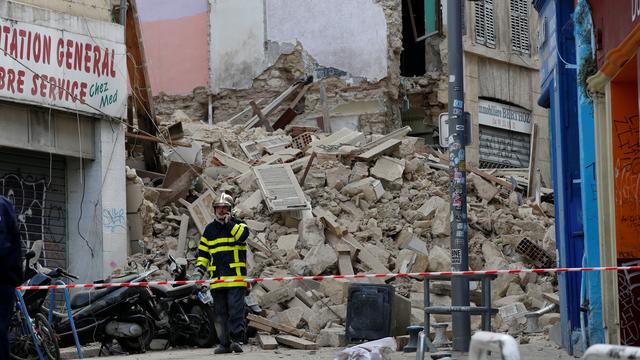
{"x": 224, "y": 200}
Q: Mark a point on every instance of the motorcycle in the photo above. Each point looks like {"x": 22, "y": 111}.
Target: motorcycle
{"x": 185, "y": 312}
{"x": 21, "y": 330}
{"x": 124, "y": 314}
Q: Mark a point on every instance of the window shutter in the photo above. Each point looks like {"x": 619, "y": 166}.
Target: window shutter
{"x": 485, "y": 23}
{"x": 520, "y": 41}
{"x": 280, "y": 188}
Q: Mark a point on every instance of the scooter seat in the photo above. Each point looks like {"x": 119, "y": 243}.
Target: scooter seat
{"x": 173, "y": 292}
{"x": 86, "y": 297}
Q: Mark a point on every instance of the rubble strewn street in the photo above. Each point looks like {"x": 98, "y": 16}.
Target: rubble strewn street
{"x": 374, "y": 204}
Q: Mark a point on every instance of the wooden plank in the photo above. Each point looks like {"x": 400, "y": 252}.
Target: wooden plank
{"x": 380, "y": 149}
{"x": 289, "y": 114}
{"x": 307, "y": 168}
{"x": 267, "y": 342}
{"x": 232, "y": 162}
{"x": 244, "y": 111}
{"x": 261, "y": 116}
{"x": 261, "y": 327}
{"x": 325, "y": 108}
{"x": 156, "y": 140}
{"x": 445, "y": 161}
{"x": 273, "y": 105}
{"x": 397, "y": 134}
{"x": 344, "y": 261}
{"x": 182, "y": 236}
{"x": 532, "y": 160}
{"x": 296, "y": 342}
{"x": 280, "y": 327}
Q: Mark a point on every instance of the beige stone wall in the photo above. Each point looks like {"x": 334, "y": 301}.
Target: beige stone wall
{"x": 93, "y": 9}
{"x": 289, "y": 67}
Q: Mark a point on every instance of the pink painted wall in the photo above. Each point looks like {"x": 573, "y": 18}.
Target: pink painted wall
{"x": 175, "y": 35}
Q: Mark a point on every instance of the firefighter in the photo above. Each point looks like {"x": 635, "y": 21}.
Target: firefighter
{"x": 222, "y": 255}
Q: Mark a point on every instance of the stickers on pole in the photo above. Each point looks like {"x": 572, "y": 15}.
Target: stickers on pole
{"x": 444, "y": 129}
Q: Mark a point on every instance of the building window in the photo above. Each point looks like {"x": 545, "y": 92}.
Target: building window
{"x": 520, "y": 41}
{"x": 485, "y": 23}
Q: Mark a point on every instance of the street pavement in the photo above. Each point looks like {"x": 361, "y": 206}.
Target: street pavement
{"x": 533, "y": 351}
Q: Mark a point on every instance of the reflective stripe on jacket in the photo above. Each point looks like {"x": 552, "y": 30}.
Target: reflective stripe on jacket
{"x": 223, "y": 252}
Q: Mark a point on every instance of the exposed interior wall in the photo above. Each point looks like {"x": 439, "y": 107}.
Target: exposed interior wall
{"x": 175, "y": 36}
{"x": 373, "y": 75}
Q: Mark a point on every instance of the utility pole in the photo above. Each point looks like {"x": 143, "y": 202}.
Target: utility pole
{"x": 458, "y": 177}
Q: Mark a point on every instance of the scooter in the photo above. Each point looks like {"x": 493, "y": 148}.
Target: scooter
{"x": 185, "y": 312}
{"x": 124, "y": 314}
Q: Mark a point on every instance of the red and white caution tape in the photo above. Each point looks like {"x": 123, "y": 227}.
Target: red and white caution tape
{"x": 328, "y": 277}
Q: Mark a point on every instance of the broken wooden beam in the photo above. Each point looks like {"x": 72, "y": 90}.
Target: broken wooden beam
{"x": 296, "y": 342}
{"x": 344, "y": 260}
{"x": 261, "y": 327}
{"x": 156, "y": 140}
{"x": 280, "y": 327}
{"x": 261, "y": 116}
{"x": 232, "y": 162}
{"x": 397, "y": 134}
{"x": 380, "y": 149}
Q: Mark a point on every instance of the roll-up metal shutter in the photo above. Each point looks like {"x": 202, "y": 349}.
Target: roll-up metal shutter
{"x": 501, "y": 148}
{"x": 36, "y": 185}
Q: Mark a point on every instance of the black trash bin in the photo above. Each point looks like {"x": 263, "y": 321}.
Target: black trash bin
{"x": 369, "y": 309}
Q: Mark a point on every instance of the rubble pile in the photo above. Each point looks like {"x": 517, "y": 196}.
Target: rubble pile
{"x": 364, "y": 204}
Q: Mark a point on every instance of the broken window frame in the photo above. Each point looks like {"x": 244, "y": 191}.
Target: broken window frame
{"x": 485, "y": 23}
{"x": 438, "y": 18}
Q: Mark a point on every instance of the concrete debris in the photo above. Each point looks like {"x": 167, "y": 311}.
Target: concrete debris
{"x": 376, "y": 203}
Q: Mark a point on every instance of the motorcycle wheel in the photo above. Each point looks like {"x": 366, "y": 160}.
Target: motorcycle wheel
{"x": 47, "y": 337}
{"x": 140, "y": 344}
{"x": 201, "y": 317}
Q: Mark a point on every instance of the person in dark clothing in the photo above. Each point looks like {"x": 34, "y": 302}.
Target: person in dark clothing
{"x": 222, "y": 254}
{"x": 10, "y": 270}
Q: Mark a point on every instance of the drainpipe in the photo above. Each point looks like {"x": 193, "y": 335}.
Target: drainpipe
{"x": 123, "y": 12}
{"x": 484, "y": 341}
{"x": 603, "y": 352}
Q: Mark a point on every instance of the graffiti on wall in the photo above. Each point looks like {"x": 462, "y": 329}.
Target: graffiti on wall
{"x": 114, "y": 219}
{"x": 38, "y": 217}
{"x": 626, "y": 155}
{"x": 629, "y": 302}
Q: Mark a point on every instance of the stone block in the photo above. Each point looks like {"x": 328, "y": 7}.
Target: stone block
{"x": 439, "y": 259}
{"x": 334, "y": 336}
{"x": 338, "y": 177}
{"x": 514, "y": 289}
{"x": 322, "y": 315}
{"x": 287, "y": 242}
{"x": 320, "y": 258}
{"x": 371, "y": 189}
{"x": 549, "y": 319}
{"x": 417, "y": 316}
{"x": 290, "y": 317}
{"x": 388, "y": 169}
{"x": 337, "y": 290}
{"x": 500, "y": 302}
{"x": 359, "y": 171}
{"x": 300, "y": 267}
{"x": 277, "y": 296}
{"x": 256, "y": 226}
{"x": 483, "y": 188}
{"x": 403, "y": 238}
{"x": 316, "y": 178}
{"x": 434, "y": 204}
{"x": 311, "y": 232}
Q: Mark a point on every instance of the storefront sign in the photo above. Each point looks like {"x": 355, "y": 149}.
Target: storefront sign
{"x": 60, "y": 69}
{"x": 504, "y": 116}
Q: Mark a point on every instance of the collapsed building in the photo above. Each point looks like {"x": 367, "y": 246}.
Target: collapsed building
{"x": 339, "y": 203}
